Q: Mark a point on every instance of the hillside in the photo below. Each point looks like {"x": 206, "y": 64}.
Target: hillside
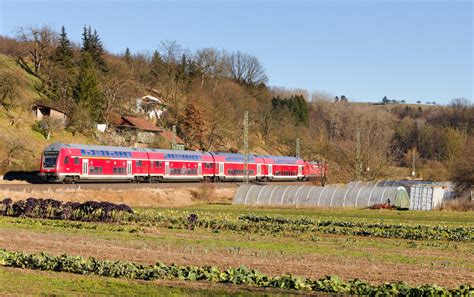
{"x": 20, "y": 145}
{"x": 206, "y": 92}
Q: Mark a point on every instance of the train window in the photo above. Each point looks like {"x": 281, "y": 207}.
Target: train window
{"x": 158, "y": 164}
{"x": 191, "y": 171}
{"x": 175, "y": 170}
{"x": 115, "y": 170}
{"x": 95, "y": 170}
{"x": 208, "y": 165}
{"x": 66, "y": 160}
{"x": 139, "y": 163}
{"x": 76, "y": 160}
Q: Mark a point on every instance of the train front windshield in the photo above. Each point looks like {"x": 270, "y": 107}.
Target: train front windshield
{"x": 49, "y": 159}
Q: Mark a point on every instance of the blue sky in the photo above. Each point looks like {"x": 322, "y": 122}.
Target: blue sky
{"x": 412, "y": 50}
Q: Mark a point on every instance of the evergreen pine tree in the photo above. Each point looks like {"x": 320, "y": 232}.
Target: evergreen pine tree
{"x": 127, "y": 57}
{"x": 63, "y": 55}
{"x": 97, "y": 52}
{"x": 92, "y": 44}
{"x": 156, "y": 69}
{"x": 87, "y": 93}
{"x": 86, "y": 39}
{"x": 156, "y": 65}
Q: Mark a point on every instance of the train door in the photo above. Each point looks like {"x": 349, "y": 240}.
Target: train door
{"x": 129, "y": 168}
{"x": 259, "y": 169}
{"x": 270, "y": 170}
{"x": 85, "y": 166}
{"x": 300, "y": 170}
{"x": 221, "y": 169}
{"x": 199, "y": 169}
{"x": 167, "y": 168}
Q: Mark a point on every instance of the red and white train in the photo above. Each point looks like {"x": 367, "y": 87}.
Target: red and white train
{"x": 69, "y": 163}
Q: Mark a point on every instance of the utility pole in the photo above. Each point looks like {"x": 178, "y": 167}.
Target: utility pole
{"x": 298, "y": 152}
{"x": 173, "y": 141}
{"x": 246, "y": 147}
{"x": 413, "y": 172}
{"x": 358, "y": 159}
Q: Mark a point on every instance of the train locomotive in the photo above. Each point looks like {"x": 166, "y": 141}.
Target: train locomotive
{"x": 70, "y": 163}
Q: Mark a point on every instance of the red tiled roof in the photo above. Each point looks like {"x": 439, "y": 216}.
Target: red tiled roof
{"x": 139, "y": 123}
{"x": 168, "y": 135}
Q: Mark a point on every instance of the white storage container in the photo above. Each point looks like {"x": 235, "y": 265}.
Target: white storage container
{"x": 425, "y": 197}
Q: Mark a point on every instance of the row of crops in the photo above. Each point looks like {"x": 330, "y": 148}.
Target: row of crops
{"x": 247, "y": 223}
{"x": 293, "y": 227}
{"x": 57, "y": 210}
{"x": 73, "y": 225}
{"x": 241, "y": 275}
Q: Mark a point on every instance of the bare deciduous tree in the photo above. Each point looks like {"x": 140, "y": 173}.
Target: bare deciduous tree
{"x": 210, "y": 63}
{"x": 117, "y": 89}
{"x": 245, "y": 68}
{"x": 51, "y": 125}
{"x": 40, "y": 41}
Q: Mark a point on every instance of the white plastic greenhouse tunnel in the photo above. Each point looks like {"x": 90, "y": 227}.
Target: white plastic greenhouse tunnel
{"x": 312, "y": 196}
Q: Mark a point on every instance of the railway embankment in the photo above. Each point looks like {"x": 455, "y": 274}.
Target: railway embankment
{"x": 135, "y": 195}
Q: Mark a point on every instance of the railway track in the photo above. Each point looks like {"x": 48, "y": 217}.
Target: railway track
{"x": 126, "y": 186}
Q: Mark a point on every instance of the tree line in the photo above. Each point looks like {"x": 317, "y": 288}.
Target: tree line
{"x": 207, "y": 90}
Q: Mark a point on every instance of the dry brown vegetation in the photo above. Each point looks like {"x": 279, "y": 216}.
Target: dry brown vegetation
{"x": 140, "y": 197}
{"x": 461, "y": 204}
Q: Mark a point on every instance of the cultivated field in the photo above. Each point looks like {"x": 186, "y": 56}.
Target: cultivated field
{"x": 376, "y": 246}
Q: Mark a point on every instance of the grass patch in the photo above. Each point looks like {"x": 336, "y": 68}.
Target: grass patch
{"x": 39, "y": 283}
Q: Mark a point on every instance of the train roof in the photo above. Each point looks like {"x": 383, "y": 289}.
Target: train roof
{"x": 58, "y": 146}
{"x": 163, "y": 151}
{"x": 287, "y": 158}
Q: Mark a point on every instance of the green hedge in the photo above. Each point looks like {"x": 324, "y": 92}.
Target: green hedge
{"x": 241, "y": 275}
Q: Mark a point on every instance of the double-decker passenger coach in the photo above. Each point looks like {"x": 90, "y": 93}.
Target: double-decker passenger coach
{"x": 69, "y": 163}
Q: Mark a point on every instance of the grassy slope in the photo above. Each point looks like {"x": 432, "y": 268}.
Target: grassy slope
{"x": 21, "y": 131}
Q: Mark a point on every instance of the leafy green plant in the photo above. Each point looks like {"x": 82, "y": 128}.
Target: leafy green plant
{"x": 240, "y": 275}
